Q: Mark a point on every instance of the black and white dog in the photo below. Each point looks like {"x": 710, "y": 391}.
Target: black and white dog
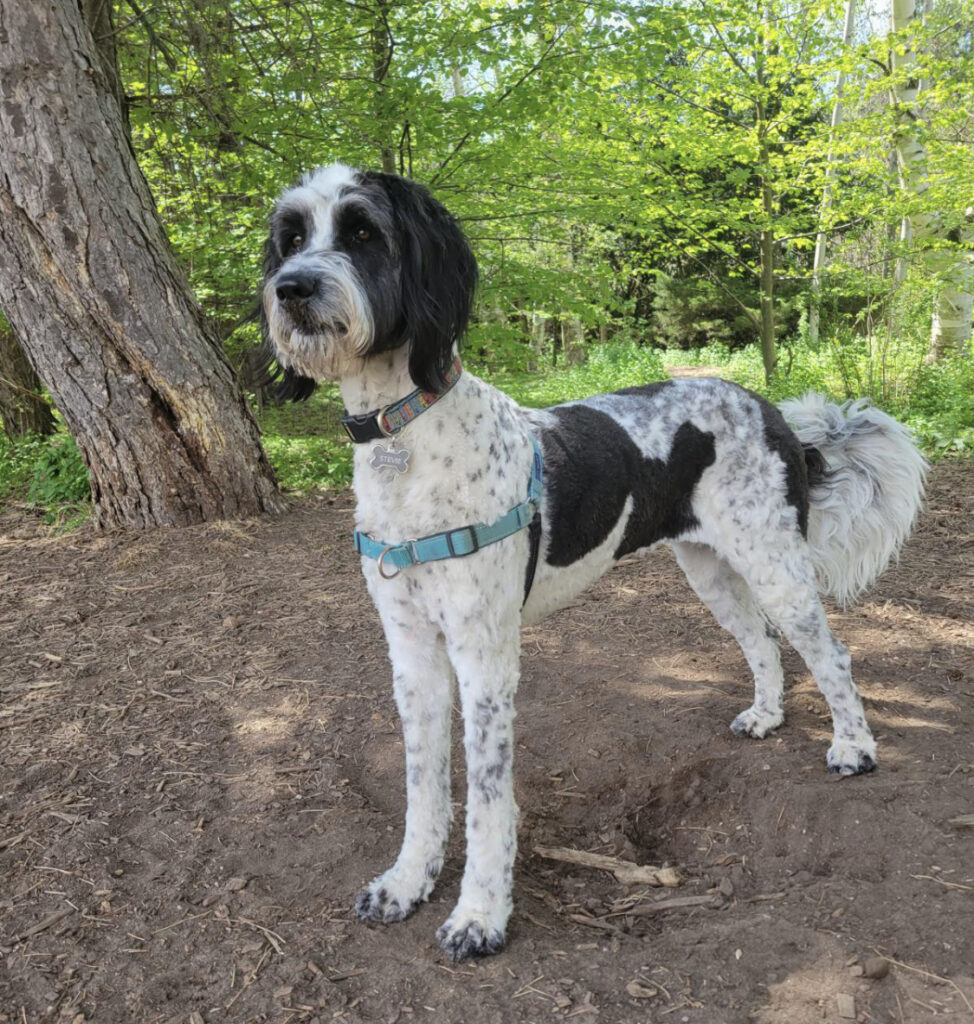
{"x": 369, "y": 281}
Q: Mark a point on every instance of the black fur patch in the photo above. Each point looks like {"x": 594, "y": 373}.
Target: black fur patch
{"x": 437, "y": 279}
{"x": 592, "y": 466}
{"x": 779, "y": 438}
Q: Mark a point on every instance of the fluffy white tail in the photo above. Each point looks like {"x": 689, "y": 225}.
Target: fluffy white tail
{"x": 863, "y": 506}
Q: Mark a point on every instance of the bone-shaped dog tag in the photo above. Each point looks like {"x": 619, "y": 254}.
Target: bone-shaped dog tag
{"x": 394, "y": 458}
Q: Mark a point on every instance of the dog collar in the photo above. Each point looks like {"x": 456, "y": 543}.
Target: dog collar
{"x": 464, "y": 540}
{"x": 390, "y": 419}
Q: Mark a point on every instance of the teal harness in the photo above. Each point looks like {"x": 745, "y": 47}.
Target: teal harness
{"x": 464, "y": 540}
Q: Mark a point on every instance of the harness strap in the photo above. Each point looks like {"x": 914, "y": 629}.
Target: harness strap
{"x": 464, "y": 540}
{"x": 534, "y": 540}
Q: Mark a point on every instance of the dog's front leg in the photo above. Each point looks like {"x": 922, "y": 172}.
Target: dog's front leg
{"x": 486, "y": 660}
{"x": 423, "y": 683}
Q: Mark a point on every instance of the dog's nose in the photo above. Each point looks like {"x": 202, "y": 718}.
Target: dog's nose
{"x": 295, "y": 286}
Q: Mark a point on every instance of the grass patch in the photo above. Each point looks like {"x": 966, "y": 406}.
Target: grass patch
{"x": 305, "y": 442}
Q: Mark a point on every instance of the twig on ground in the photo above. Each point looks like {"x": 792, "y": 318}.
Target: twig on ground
{"x": 926, "y": 974}
{"x": 625, "y": 871}
{"x": 47, "y": 922}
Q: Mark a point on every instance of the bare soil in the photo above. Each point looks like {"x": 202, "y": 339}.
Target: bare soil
{"x": 200, "y": 763}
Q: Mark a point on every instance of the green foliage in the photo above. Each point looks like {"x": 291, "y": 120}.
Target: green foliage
{"x": 935, "y": 400}
{"x": 306, "y": 444}
{"x": 615, "y": 168}
{"x": 46, "y": 472}
{"x": 609, "y": 367}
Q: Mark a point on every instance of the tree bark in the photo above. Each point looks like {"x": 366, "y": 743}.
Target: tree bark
{"x": 382, "y": 53}
{"x": 93, "y": 291}
{"x": 23, "y": 409}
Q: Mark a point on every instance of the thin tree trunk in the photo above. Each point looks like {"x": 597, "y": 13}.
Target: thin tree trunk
{"x": 92, "y": 290}
{"x": 23, "y": 409}
{"x": 382, "y": 51}
{"x": 951, "y": 268}
{"x": 818, "y": 263}
{"x": 768, "y": 353}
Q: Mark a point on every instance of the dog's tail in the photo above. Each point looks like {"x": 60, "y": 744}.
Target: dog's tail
{"x": 865, "y": 489}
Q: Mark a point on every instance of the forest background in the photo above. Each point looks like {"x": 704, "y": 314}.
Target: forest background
{"x": 782, "y": 191}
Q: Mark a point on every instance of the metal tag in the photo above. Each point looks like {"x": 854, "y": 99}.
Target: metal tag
{"x": 394, "y": 458}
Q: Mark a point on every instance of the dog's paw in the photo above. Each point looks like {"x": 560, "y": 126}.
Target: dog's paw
{"x": 852, "y": 757}
{"x": 756, "y": 724}
{"x": 464, "y": 936}
{"x": 387, "y": 900}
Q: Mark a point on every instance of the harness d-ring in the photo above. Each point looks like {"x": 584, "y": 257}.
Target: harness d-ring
{"x": 382, "y": 572}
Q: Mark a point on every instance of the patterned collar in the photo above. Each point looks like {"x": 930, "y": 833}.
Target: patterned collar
{"x": 389, "y": 420}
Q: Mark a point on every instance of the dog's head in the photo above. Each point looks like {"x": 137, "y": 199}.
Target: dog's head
{"x": 359, "y": 263}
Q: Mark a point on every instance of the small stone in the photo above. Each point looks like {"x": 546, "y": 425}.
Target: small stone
{"x": 726, "y": 887}
{"x": 856, "y": 970}
{"x": 846, "y": 1005}
{"x": 236, "y": 884}
{"x": 876, "y": 967}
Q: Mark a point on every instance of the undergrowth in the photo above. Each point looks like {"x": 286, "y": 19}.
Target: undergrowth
{"x": 308, "y": 449}
{"x": 935, "y": 400}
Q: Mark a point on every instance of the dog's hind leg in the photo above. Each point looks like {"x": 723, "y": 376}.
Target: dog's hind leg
{"x": 423, "y": 684}
{"x": 486, "y": 658}
{"x": 730, "y": 600}
{"x": 782, "y": 579}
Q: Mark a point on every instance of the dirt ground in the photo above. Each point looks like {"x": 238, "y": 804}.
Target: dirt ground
{"x": 200, "y": 763}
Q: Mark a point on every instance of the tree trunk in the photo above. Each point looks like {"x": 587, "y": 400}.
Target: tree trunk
{"x": 382, "y": 52}
{"x": 951, "y": 267}
{"x": 23, "y": 409}
{"x": 769, "y": 355}
{"x": 819, "y": 260}
{"x": 93, "y": 291}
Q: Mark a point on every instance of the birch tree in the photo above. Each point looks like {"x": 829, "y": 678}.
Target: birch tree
{"x": 946, "y": 239}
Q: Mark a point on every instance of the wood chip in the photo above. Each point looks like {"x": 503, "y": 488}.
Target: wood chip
{"x": 625, "y": 871}
{"x": 47, "y": 922}
{"x": 638, "y": 991}
{"x": 677, "y": 903}
{"x": 595, "y": 922}
{"x": 964, "y": 821}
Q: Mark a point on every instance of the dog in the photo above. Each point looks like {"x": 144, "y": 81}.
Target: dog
{"x": 475, "y": 516}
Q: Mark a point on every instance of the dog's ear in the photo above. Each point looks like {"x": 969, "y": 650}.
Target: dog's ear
{"x": 438, "y": 276}
{"x": 289, "y": 386}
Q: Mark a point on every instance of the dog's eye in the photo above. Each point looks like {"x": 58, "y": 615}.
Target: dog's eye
{"x": 362, "y": 234}
{"x": 293, "y": 243}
